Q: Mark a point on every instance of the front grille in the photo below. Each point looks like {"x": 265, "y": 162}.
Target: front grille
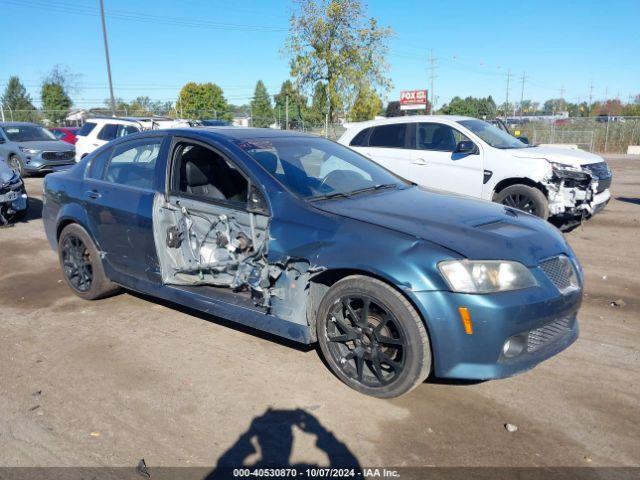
{"x": 561, "y": 272}
{"x": 58, "y": 155}
{"x": 600, "y": 170}
{"x": 540, "y": 337}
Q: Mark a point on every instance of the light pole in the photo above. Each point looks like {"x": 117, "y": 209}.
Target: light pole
{"x": 106, "y": 52}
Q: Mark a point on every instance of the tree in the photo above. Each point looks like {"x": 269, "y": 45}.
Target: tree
{"x": 18, "y": 102}
{"x": 55, "y": 102}
{"x": 333, "y": 43}
{"x": 202, "y": 100}
{"x": 366, "y": 106}
{"x": 393, "y": 110}
{"x": 261, "y": 110}
{"x": 471, "y": 107}
{"x": 298, "y": 110}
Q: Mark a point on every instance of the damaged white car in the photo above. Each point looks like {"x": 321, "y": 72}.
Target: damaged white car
{"x": 472, "y": 157}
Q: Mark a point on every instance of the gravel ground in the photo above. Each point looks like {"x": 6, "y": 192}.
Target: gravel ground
{"x": 113, "y": 381}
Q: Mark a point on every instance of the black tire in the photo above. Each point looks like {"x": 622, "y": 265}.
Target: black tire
{"x": 525, "y": 198}
{"x": 390, "y": 354}
{"x": 17, "y": 165}
{"x": 81, "y": 264}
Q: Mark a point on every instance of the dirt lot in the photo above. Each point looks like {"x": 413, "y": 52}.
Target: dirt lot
{"x": 113, "y": 381}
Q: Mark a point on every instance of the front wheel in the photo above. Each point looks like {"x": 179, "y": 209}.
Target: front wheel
{"x": 525, "y": 198}
{"x": 372, "y": 338}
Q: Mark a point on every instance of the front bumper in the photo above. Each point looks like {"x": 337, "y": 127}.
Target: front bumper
{"x": 35, "y": 163}
{"x": 496, "y": 318}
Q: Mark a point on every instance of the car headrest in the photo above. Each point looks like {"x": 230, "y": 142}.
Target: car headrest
{"x": 268, "y": 160}
{"x": 197, "y": 172}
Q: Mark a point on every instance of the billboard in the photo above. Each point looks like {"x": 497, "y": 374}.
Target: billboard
{"x": 413, "y": 99}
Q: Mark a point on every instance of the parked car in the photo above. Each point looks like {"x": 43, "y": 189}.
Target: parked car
{"x": 29, "y": 148}
{"x": 471, "y": 157}
{"x": 302, "y": 237}
{"x": 100, "y": 130}
{"x": 13, "y": 196}
{"x": 65, "y": 134}
{"x": 214, "y": 123}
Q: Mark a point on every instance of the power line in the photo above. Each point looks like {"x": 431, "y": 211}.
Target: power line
{"x": 143, "y": 18}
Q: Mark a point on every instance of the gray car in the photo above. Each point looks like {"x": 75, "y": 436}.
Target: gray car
{"x": 29, "y": 148}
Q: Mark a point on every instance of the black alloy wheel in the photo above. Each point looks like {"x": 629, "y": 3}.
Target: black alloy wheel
{"x": 366, "y": 340}
{"x": 76, "y": 263}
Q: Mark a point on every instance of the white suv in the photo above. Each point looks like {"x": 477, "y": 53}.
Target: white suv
{"x": 100, "y": 130}
{"x": 471, "y": 157}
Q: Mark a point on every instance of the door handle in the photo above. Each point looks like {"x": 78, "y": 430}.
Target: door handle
{"x": 94, "y": 194}
{"x": 420, "y": 161}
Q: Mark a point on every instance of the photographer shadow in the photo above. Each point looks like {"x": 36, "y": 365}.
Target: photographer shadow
{"x": 273, "y": 434}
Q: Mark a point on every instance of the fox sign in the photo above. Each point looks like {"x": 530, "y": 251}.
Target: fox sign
{"x": 413, "y": 99}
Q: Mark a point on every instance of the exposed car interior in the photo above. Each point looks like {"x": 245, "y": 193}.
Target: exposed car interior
{"x": 204, "y": 233}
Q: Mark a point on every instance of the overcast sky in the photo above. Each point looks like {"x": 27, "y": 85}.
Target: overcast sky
{"x": 158, "y": 45}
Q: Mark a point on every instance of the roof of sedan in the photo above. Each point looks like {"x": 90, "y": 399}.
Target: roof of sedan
{"x": 243, "y": 133}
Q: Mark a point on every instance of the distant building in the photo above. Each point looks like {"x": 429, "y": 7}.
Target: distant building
{"x": 241, "y": 121}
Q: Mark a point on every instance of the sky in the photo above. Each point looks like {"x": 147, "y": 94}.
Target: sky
{"x": 561, "y": 46}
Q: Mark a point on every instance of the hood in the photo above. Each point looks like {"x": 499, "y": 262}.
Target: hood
{"x": 48, "y": 145}
{"x": 6, "y": 174}
{"x": 475, "y": 229}
{"x": 566, "y": 156}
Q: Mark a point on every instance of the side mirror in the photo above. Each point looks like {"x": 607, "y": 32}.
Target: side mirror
{"x": 465, "y": 146}
{"x": 524, "y": 140}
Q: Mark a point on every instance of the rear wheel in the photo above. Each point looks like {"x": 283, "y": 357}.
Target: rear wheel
{"x": 81, "y": 264}
{"x": 372, "y": 338}
{"x": 525, "y": 198}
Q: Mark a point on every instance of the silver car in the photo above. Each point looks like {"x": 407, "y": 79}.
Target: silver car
{"x": 29, "y": 148}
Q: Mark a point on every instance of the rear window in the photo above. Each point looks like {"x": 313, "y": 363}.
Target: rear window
{"x": 390, "y": 136}
{"x": 86, "y": 129}
{"x": 359, "y": 139}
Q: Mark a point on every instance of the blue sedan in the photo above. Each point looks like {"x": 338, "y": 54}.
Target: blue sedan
{"x": 304, "y": 238}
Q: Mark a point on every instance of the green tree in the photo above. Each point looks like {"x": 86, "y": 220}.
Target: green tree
{"x": 17, "y": 102}
{"x": 202, "y": 100}
{"x": 366, "y": 106}
{"x": 333, "y": 43}
{"x": 299, "y": 113}
{"x": 261, "y": 110}
{"x": 55, "y": 102}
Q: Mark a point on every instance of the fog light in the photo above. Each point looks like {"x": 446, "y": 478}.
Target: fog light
{"x": 514, "y": 346}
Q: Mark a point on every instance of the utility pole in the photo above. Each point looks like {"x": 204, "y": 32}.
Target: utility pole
{"x": 106, "y": 52}
{"x": 432, "y": 77}
{"x": 590, "y": 97}
{"x": 524, "y": 77}
{"x": 286, "y": 112}
{"x": 506, "y": 102}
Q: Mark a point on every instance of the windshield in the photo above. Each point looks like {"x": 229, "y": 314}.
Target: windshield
{"x": 492, "y": 135}
{"x": 318, "y": 168}
{"x": 28, "y": 133}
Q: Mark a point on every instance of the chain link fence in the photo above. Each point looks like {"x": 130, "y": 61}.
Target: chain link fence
{"x": 594, "y": 134}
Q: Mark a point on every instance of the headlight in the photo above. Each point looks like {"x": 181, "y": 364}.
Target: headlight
{"x": 485, "y": 276}
{"x": 30, "y": 151}
{"x": 568, "y": 171}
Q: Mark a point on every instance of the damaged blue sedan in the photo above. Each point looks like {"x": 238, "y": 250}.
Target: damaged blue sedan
{"x": 304, "y": 238}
